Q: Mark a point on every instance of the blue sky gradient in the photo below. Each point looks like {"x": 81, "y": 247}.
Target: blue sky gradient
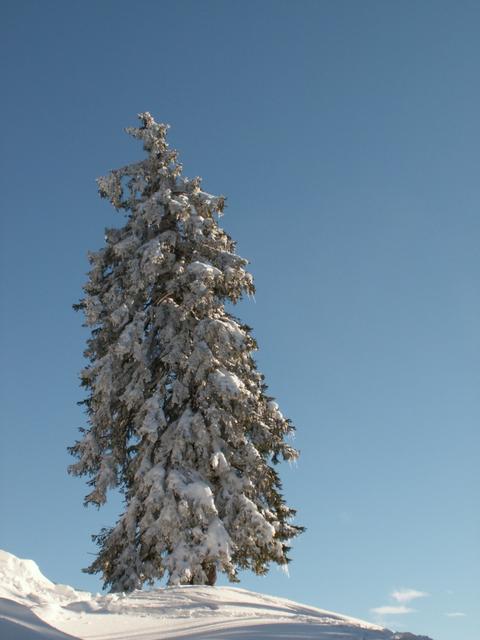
{"x": 345, "y": 135}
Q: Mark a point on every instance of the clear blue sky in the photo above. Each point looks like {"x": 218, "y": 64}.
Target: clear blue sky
{"x": 346, "y": 137}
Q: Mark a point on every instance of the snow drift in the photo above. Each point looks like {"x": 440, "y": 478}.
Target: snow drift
{"x": 34, "y": 608}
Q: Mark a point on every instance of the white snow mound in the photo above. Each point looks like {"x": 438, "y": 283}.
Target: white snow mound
{"x": 21, "y": 576}
{"x": 34, "y": 608}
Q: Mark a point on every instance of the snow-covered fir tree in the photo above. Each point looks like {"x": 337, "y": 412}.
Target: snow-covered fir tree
{"x": 179, "y": 417}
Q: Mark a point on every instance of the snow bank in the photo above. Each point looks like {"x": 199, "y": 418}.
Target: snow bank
{"x": 23, "y": 582}
{"x": 18, "y": 622}
{"x": 34, "y": 608}
{"x": 20, "y": 577}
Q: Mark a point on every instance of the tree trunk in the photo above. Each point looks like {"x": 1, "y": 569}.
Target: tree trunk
{"x": 211, "y": 573}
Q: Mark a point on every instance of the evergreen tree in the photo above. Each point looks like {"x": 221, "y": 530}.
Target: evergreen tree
{"x": 179, "y": 418}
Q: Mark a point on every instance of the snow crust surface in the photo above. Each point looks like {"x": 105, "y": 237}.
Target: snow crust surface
{"x": 34, "y": 608}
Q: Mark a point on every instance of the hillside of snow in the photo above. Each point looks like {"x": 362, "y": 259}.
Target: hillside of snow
{"x": 34, "y": 608}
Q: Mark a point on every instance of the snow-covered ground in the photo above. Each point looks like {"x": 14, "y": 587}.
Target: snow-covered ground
{"x": 34, "y": 608}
